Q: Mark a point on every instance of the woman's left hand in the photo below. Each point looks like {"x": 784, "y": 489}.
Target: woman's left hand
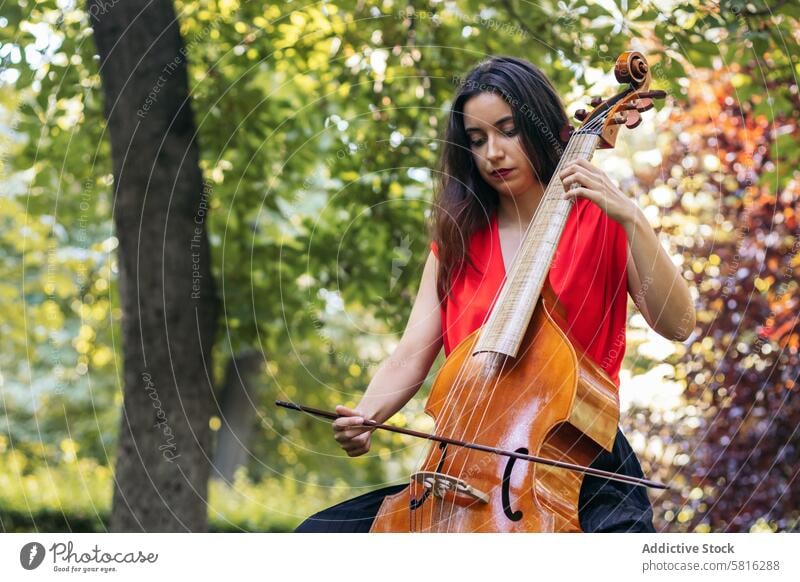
{"x": 594, "y": 184}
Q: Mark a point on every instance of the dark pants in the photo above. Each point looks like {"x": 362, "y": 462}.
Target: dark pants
{"x": 603, "y": 505}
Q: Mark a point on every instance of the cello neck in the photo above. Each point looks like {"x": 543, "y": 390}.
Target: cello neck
{"x": 509, "y": 319}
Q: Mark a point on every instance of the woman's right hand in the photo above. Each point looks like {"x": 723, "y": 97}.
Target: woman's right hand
{"x": 354, "y": 441}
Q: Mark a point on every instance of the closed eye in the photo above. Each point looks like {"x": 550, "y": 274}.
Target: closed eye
{"x": 508, "y": 133}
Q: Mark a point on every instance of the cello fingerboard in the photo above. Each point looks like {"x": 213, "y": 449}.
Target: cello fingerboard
{"x": 513, "y": 308}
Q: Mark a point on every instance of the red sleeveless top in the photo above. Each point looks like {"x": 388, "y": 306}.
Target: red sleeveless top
{"x": 588, "y": 275}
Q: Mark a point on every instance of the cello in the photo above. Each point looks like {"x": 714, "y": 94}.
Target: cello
{"x": 520, "y": 411}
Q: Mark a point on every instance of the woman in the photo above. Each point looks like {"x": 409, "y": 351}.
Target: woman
{"x": 500, "y": 152}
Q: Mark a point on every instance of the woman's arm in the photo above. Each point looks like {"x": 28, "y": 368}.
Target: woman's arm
{"x": 654, "y": 282}
{"x": 401, "y": 374}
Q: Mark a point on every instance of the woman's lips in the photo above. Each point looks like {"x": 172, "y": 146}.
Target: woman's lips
{"x": 502, "y": 173}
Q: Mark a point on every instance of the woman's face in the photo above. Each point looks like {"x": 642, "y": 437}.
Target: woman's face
{"x": 496, "y": 144}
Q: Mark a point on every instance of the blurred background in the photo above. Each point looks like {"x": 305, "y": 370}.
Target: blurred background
{"x": 303, "y": 162}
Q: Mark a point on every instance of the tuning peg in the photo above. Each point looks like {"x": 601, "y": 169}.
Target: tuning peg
{"x": 581, "y": 114}
{"x": 618, "y": 119}
{"x": 634, "y": 119}
{"x": 596, "y": 101}
{"x": 657, "y": 94}
{"x": 566, "y": 133}
{"x": 642, "y": 105}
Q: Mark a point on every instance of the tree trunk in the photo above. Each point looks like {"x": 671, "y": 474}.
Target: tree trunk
{"x": 169, "y": 302}
{"x": 238, "y": 413}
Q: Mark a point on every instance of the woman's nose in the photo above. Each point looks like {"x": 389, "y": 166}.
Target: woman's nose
{"x": 493, "y": 150}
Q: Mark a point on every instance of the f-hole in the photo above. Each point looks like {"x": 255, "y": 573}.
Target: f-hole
{"x": 416, "y": 503}
{"x": 512, "y": 515}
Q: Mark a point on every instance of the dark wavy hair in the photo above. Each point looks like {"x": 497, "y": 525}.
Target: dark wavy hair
{"x": 464, "y": 202}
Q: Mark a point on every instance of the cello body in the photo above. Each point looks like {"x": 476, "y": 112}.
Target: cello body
{"x": 550, "y": 401}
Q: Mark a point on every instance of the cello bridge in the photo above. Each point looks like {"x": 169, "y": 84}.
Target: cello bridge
{"x": 439, "y": 484}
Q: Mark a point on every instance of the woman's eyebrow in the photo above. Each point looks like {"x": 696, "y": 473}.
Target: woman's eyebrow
{"x": 497, "y": 123}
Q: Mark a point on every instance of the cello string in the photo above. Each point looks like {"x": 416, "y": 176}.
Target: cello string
{"x": 497, "y": 376}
